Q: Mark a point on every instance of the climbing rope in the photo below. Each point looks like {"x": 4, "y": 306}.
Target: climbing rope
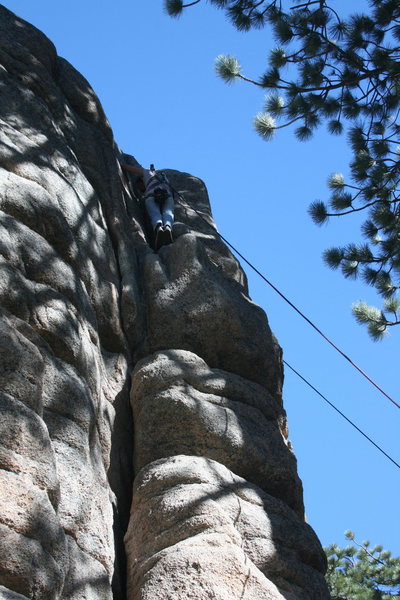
{"x": 341, "y": 414}
{"x": 187, "y": 205}
{"x": 325, "y": 337}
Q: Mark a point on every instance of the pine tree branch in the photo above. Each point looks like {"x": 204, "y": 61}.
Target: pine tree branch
{"x": 240, "y": 76}
{"x": 342, "y": 71}
{"x": 353, "y": 187}
{"x": 256, "y": 5}
{"x": 307, "y": 4}
{"x": 341, "y": 84}
{"x": 353, "y": 210}
{"x": 377, "y": 560}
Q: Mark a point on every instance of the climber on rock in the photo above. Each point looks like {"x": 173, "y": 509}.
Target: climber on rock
{"x": 159, "y": 202}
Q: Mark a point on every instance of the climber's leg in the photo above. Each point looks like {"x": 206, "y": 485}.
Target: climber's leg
{"x": 153, "y": 210}
{"x": 164, "y": 236}
{"x": 168, "y": 219}
{"x": 159, "y": 237}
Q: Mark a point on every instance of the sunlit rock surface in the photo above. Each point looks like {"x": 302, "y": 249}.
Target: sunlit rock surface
{"x": 123, "y": 368}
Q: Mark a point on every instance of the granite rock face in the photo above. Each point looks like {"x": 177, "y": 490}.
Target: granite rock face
{"x": 122, "y": 367}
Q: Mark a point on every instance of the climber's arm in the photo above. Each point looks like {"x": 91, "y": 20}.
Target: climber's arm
{"x": 136, "y": 170}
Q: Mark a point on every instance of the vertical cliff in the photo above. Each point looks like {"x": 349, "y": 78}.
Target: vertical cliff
{"x": 121, "y": 367}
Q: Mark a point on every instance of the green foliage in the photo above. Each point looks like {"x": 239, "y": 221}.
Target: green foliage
{"x": 278, "y": 58}
{"x": 344, "y": 73}
{"x": 264, "y": 124}
{"x": 318, "y": 212}
{"x": 371, "y": 316}
{"x": 362, "y": 572}
{"x": 227, "y": 67}
{"x": 335, "y": 127}
{"x": 274, "y": 104}
{"x": 174, "y": 7}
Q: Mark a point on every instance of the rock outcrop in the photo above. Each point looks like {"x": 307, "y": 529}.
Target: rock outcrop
{"x": 122, "y": 367}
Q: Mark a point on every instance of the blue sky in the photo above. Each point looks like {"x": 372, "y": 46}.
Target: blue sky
{"x": 155, "y": 78}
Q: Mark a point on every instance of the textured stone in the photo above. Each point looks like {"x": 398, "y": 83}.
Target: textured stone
{"x": 217, "y": 508}
{"x": 198, "y": 530}
{"x": 181, "y": 406}
{"x": 198, "y": 283}
{"x": 32, "y": 543}
{"x": 64, "y": 358}
{"x": 6, "y": 594}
